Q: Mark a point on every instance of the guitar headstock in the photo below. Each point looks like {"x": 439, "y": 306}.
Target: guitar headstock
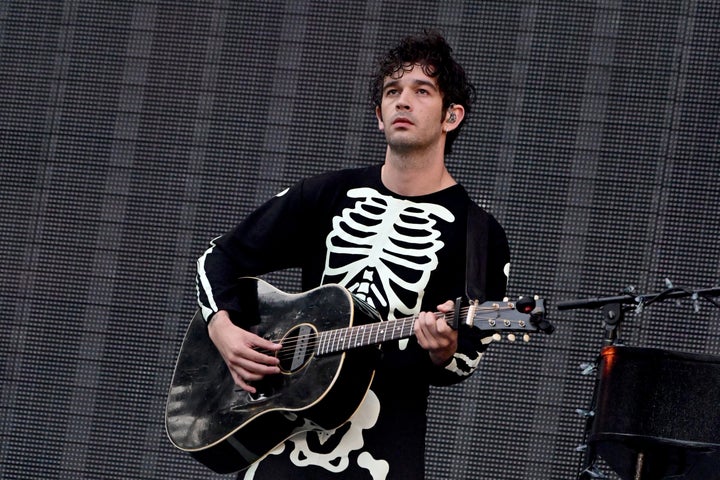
{"x": 527, "y": 315}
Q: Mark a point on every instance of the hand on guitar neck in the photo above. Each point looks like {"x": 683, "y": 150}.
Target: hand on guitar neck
{"x": 243, "y": 351}
{"x": 435, "y": 335}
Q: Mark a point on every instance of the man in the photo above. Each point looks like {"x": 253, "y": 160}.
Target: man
{"x": 405, "y": 237}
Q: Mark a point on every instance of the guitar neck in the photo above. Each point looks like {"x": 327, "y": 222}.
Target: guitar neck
{"x": 490, "y": 317}
{"x": 343, "y": 339}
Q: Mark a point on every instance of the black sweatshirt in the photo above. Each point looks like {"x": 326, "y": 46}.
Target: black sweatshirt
{"x": 402, "y": 255}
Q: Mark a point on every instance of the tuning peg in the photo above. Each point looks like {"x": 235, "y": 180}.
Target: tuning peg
{"x": 497, "y": 337}
{"x": 581, "y": 448}
{"x": 525, "y": 304}
{"x": 585, "y": 413}
{"x": 511, "y": 337}
{"x": 526, "y": 338}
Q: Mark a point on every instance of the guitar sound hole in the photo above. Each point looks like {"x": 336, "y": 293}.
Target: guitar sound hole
{"x": 298, "y": 347}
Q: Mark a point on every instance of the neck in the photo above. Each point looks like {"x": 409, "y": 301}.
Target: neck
{"x": 412, "y": 175}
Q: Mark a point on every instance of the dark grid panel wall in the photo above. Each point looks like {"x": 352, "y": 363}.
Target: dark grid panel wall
{"x": 132, "y": 133}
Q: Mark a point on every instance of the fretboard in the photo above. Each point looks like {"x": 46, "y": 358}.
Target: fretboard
{"x": 342, "y": 339}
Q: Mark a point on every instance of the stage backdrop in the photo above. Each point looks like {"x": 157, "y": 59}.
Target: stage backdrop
{"x": 132, "y": 133}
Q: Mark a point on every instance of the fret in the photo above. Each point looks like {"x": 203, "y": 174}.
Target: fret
{"x": 353, "y": 337}
{"x": 359, "y": 338}
{"x": 325, "y": 339}
{"x": 366, "y": 334}
{"x": 347, "y": 338}
{"x": 342, "y": 338}
{"x": 338, "y": 339}
{"x": 331, "y": 341}
{"x": 360, "y": 341}
{"x": 321, "y": 343}
{"x": 369, "y": 332}
{"x": 409, "y": 327}
{"x": 392, "y": 327}
{"x": 399, "y": 330}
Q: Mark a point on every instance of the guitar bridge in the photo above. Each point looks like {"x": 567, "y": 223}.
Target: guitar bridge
{"x": 245, "y": 400}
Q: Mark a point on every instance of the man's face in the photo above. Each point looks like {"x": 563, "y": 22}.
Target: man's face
{"x": 411, "y": 113}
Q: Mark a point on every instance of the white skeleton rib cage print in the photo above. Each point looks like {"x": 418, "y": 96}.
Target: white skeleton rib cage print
{"x": 378, "y": 232}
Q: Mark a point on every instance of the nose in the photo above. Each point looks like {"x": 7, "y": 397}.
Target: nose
{"x": 402, "y": 102}
{"x": 402, "y": 106}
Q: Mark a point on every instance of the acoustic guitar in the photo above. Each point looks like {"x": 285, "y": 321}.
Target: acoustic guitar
{"x": 330, "y": 341}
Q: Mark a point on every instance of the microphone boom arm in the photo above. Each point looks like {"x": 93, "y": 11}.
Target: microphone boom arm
{"x": 628, "y": 299}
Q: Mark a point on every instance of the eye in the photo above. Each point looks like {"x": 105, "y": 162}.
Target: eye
{"x": 391, "y": 91}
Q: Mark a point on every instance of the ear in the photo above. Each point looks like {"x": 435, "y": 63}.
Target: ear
{"x": 453, "y": 117}
{"x": 378, "y": 114}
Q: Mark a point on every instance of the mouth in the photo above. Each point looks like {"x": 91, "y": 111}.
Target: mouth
{"x": 402, "y": 121}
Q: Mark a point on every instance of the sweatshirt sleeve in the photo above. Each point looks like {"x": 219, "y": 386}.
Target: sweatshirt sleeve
{"x": 268, "y": 239}
{"x": 471, "y": 347}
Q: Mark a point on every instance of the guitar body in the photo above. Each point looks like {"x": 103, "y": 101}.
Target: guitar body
{"x": 227, "y": 429}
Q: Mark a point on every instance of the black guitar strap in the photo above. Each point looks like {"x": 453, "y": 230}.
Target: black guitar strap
{"x": 477, "y": 251}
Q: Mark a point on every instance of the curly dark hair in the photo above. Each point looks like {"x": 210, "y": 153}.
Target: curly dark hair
{"x": 432, "y": 52}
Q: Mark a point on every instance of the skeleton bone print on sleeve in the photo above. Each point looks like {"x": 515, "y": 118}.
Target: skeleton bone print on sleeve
{"x": 384, "y": 249}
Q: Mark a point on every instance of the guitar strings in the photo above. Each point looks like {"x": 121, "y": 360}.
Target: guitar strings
{"x": 404, "y": 320}
{"x": 288, "y": 347}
